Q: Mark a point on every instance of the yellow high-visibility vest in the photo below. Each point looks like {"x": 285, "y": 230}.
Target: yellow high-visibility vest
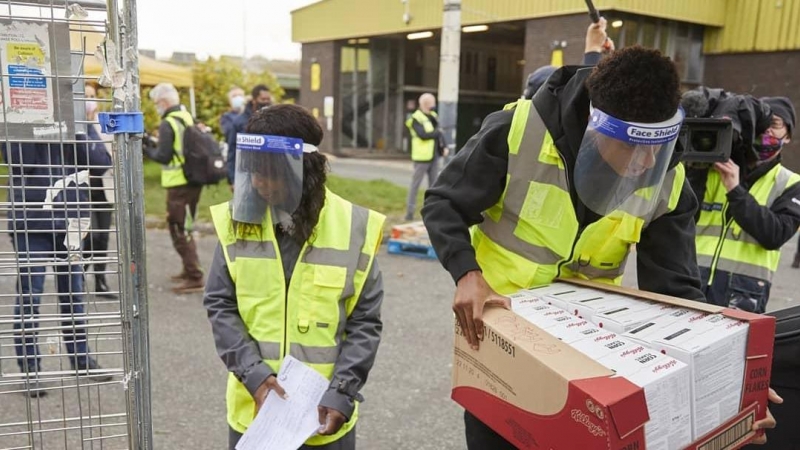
{"x": 531, "y": 235}
{"x": 307, "y": 322}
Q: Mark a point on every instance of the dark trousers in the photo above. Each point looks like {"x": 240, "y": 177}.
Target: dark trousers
{"x": 347, "y": 442}
{"x": 181, "y": 210}
{"x": 96, "y": 243}
{"x": 33, "y": 250}
{"x": 481, "y": 437}
{"x": 786, "y": 435}
{"x": 431, "y": 169}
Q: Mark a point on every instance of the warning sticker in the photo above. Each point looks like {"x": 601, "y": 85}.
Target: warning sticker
{"x": 25, "y": 59}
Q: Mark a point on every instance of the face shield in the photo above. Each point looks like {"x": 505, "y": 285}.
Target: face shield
{"x": 621, "y": 162}
{"x": 269, "y": 175}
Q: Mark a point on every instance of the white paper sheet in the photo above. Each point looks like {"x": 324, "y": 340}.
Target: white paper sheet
{"x": 287, "y": 424}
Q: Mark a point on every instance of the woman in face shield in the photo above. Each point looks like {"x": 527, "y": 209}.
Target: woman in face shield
{"x": 294, "y": 276}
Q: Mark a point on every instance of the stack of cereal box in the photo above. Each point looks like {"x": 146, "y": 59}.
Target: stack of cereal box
{"x": 690, "y": 364}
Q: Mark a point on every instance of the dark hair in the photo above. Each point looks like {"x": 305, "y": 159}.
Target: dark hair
{"x": 294, "y": 121}
{"x": 635, "y": 84}
{"x": 258, "y": 90}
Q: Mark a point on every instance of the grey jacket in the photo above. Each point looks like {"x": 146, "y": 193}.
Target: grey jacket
{"x": 241, "y": 354}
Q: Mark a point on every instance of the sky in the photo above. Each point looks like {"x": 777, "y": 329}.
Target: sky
{"x": 227, "y": 27}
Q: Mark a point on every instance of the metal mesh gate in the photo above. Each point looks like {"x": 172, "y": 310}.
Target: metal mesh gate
{"x": 73, "y": 317}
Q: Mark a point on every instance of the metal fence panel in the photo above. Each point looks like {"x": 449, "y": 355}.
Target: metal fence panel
{"x": 74, "y": 370}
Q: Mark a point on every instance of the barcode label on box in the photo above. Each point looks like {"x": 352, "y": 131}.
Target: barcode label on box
{"x": 733, "y": 436}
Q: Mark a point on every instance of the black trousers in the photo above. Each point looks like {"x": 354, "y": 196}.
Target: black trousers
{"x": 95, "y": 245}
{"x": 481, "y": 437}
{"x": 786, "y": 435}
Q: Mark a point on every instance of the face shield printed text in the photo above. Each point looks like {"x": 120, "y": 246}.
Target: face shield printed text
{"x": 637, "y": 133}
{"x": 271, "y": 144}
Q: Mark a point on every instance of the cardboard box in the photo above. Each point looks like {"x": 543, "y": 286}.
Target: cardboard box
{"x": 541, "y": 393}
{"x": 665, "y": 382}
{"x": 624, "y": 318}
{"x": 592, "y": 304}
{"x": 643, "y": 332}
{"x": 714, "y": 348}
{"x": 552, "y": 293}
{"x": 574, "y": 331}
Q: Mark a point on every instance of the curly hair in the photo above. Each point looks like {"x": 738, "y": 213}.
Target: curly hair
{"x": 292, "y": 121}
{"x": 635, "y": 84}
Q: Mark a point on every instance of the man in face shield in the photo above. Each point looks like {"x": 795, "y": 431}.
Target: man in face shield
{"x": 294, "y": 275}
{"x": 564, "y": 185}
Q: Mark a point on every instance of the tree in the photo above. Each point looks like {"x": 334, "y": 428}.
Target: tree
{"x": 213, "y": 79}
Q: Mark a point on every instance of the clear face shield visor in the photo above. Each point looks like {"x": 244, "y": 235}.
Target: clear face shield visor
{"x": 621, "y": 165}
{"x": 268, "y": 176}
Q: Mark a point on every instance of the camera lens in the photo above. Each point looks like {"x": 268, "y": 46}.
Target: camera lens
{"x": 704, "y": 140}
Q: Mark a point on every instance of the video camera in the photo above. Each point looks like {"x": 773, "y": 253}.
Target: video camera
{"x": 706, "y": 140}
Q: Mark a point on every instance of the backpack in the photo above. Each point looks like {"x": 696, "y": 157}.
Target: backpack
{"x": 203, "y": 163}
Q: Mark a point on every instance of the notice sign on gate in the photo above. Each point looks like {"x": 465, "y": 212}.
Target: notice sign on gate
{"x": 27, "y": 95}
{"x": 37, "y": 92}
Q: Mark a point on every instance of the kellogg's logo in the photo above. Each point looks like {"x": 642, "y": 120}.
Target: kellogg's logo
{"x": 586, "y": 420}
{"x": 606, "y": 337}
{"x": 696, "y": 318}
{"x": 665, "y": 366}
{"x": 632, "y": 352}
{"x": 577, "y": 324}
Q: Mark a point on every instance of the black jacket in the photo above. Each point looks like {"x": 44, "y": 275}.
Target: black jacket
{"x": 165, "y": 150}
{"x": 770, "y": 226}
{"x": 238, "y": 126}
{"x": 475, "y": 179}
{"x": 34, "y": 168}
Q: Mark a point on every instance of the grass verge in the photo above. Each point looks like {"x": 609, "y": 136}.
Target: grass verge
{"x": 379, "y": 195}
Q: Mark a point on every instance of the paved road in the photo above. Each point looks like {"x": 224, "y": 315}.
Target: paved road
{"x": 397, "y": 172}
{"x": 407, "y": 397}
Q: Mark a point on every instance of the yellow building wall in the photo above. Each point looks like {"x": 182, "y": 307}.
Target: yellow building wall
{"x": 343, "y": 19}
{"x": 756, "y": 25}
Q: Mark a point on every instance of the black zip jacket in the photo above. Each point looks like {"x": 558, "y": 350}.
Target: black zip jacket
{"x": 475, "y": 179}
{"x": 771, "y": 227}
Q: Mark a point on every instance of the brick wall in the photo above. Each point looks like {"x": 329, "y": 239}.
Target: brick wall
{"x": 327, "y": 54}
{"x": 760, "y": 74}
{"x": 540, "y": 33}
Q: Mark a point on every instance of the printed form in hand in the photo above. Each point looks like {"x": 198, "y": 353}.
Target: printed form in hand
{"x": 287, "y": 424}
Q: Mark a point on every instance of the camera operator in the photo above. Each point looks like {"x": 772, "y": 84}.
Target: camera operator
{"x": 748, "y": 208}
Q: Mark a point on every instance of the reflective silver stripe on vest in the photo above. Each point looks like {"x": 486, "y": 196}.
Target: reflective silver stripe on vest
{"x": 314, "y": 355}
{"x": 270, "y": 350}
{"x": 522, "y": 168}
{"x": 781, "y": 180}
{"x": 751, "y": 270}
{"x": 741, "y": 268}
{"x": 251, "y": 249}
{"x": 352, "y": 257}
{"x": 715, "y": 231}
{"x": 593, "y": 272}
{"x": 704, "y": 260}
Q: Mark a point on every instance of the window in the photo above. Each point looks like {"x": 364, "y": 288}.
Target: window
{"x": 680, "y": 41}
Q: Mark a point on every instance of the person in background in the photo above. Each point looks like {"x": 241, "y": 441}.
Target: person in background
{"x": 294, "y": 274}
{"x": 237, "y": 101}
{"x": 261, "y": 97}
{"x": 423, "y": 127}
{"x": 48, "y": 222}
{"x": 102, "y": 198}
{"x": 748, "y": 210}
{"x": 182, "y": 198}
